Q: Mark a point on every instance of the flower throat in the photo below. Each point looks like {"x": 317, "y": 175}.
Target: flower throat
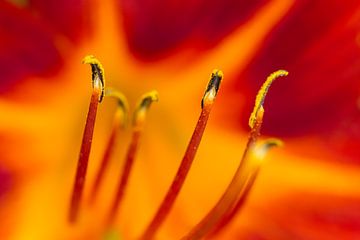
{"x": 231, "y": 201}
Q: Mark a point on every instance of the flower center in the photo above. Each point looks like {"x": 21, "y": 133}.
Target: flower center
{"x": 232, "y": 199}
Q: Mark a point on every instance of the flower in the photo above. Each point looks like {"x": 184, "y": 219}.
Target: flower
{"x": 307, "y": 190}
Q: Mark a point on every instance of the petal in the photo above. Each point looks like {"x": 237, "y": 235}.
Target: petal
{"x": 316, "y": 216}
{"x": 37, "y": 36}
{"x": 7, "y": 189}
{"x": 299, "y": 198}
{"x": 66, "y": 17}
{"x": 156, "y": 28}
{"x": 27, "y": 47}
{"x": 12, "y": 175}
{"x": 319, "y": 46}
{"x": 306, "y": 216}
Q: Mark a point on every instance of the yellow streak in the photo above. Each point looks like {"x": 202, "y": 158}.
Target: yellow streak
{"x": 305, "y": 174}
{"x": 228, "y": 55}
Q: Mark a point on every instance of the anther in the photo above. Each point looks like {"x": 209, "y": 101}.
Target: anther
{"x": 260, "y": 97}
{"x": 212, "y": 88}
{"x": 98, "y": 75}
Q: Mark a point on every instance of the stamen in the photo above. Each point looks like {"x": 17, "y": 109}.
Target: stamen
{"x": 260, "y": 97}
{"x": 98, "y": 82}
{"x": 243, "y": 175}
{"x": 120, "y": 117}
{"x": 258, "y": 154}
{"x": 138, "y": 124}
{"x": 169, "y": 200}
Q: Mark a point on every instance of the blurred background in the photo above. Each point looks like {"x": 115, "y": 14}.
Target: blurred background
{"x": 306, "y": 190}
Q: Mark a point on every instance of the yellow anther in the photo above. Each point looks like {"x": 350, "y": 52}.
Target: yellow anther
{"x": 218, "y": 73}
{"x": 212, "y": 88}
{"x": 123, "y": 105}
{"x": 98, "y": 77}
{"x": 142, "y": 107}
{"x": 260, "y": 97}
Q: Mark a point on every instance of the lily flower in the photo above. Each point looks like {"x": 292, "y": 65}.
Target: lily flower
{"x": 308, "y": 189}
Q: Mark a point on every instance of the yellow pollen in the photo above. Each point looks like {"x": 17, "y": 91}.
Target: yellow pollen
{"x": 260, "y": 97}
{"x": 218, "y": 72}
{"x": 98, "y": 74}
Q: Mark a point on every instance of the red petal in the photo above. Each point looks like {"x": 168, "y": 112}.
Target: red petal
{"x": 26, "y": 47}
{"x": 301, "y": 215}
{"x": 156, "y": 28}
{"x": 68, "y": 17}
{"x": 316, "y": 43}
{"x": 316, "y": 216}
{"x": 6, "y": 182}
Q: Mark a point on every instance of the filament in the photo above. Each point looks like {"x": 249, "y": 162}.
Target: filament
{"x": 176, "y": 185}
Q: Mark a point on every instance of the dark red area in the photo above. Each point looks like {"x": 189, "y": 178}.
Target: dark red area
{"x": 317, "y": 43}
{"x": 6, "y": 182}
{"x": 26, "y": 47}
{"x": 31, "y": 36}
{"x": 157, "y": 28}
{"x": 67, "y": 17}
